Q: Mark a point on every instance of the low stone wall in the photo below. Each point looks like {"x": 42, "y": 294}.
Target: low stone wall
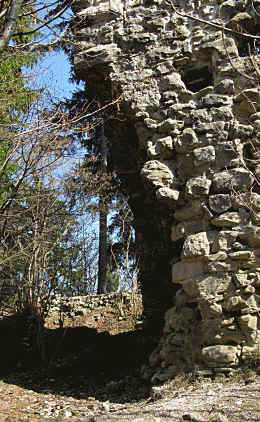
{"x": 113, "y": 313}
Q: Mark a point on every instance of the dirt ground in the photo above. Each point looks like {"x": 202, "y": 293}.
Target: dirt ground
{"x": 36, "y": 395}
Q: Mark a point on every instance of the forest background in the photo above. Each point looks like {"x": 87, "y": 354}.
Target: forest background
{"x": 65, "y": 224}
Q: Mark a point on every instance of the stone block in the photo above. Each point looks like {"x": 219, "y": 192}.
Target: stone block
{"x": 209, "y": 310}
{"x": 223, "y": 114}
{"x": 234, "y": 303}
{"x": 184, "y": 270}
{"x": 248, "y": 324}
{"x": 227, "y": 219}
{"x": 226, "y": 86}
{"x": 172, "y": 82}
{"x": 168, "y": 125}
{"x": 219, "y": 355}
{"x": 196, "y": 245}
{"x": 222, "y": 49}
{"x": 238, "y": 178}
{"x": 216, "y": 100}
{"x": 204, "y": 285}
{"x": 160, "y": 147}
{"x": 224, "y": 240}
{"x": 243, "y": 255}
{"x": 192, "y": 209}
{"x": 250, "y": 234}
{"x": 248, "y": 199}
{"x": 198, "y": 186}
{"x": 157, "y": 174}
{"x": 247, "y": 102}
{"x": 204, "y": 155}
{"x": 186, "y": 228}
{"x": 220, "y": 203}
{"x": 98, "y": 55}
{"x": 187, "y": 141}
{"x": 198, "y": 116}
{"x": 167, "y": 195}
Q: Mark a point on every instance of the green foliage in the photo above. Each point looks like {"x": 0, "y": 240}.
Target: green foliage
{"x": 16, "y": 97}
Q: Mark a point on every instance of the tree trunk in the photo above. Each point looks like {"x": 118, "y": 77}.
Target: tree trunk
{"x": 103, "y": 212}
{"x": 10, "y": 24}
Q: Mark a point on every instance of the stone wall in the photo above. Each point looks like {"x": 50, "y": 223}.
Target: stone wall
{"x": 184, "y": 138}
{"x": 113, "y": 313}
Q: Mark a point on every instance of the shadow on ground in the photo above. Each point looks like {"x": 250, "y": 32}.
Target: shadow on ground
{"x": 79, "y": 362}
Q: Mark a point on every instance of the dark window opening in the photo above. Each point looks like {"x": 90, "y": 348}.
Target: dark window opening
{"x": 197, "y": 79}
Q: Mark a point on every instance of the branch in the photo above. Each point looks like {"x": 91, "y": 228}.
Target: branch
{"x": 3, "y": 13}
{"x": 40, "y": 8}
{"x": 234, "y": 67}
{"x": 43, "y": 24}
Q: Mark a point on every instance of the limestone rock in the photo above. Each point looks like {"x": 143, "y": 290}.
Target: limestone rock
{"x": 242, "y": 131}
{"x": 226, "y": 86}
{"x": 228, "y": 8}
{"x": 247, "y": 102}
{"x": 196, "y": 245}
{"x": 160, "y": 147}
{"x": 241, "y": 255}
{"x": 186, "y": 269}
{"x": 167, "y": 195}
{"x": 247, "y": 199}
{"x": 193, "y": 209}
{"x": 218, "y": 417}
{"x": 185, "y": 228}
{"x": 250, "y": 234}
{"x": 227, "y": 219}
{"x": 238, "y": 178}
{"x": 103, "y": 12}
{"x": 218, "y": 45}
{"x": 172, "y": 82}
{"x": 219, "y": 355}
{"x": 234, "y": 303}
{"x": 101, "y": 54}
{"x": 248, "y": 324}
{"x": 198, "y": 186}
{"x": 220, "y": 203}
{"x": 216, "y": 100}
{"x": 224, "y": 240}
{"x": 157, "y": 174}
{"x": 202, "y": 285}
{"x": 209, "y": 310}
{"x": 187, "y": 141}
{"x": 168, "y": 125}
{"x": 184, "y": 139}
{"x": 204, "y": 155}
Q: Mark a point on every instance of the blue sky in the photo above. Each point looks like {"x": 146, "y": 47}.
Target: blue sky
{"x": 53, "y": 72}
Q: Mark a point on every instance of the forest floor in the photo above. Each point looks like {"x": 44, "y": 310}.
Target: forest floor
{"x": 36, "y": 395}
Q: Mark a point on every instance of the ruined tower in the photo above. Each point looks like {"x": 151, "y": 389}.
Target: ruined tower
{"x": 183, "y": 127}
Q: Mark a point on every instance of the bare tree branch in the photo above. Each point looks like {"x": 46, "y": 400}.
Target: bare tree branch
{"x": 45, "y": 23}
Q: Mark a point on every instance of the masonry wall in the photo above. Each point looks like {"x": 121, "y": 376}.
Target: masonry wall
{"x": 184, "y": 138}
{"x": 113, "y": 313}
